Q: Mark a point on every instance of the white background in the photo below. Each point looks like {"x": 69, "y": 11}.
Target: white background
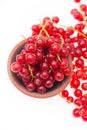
{"x": 19, "y": 111}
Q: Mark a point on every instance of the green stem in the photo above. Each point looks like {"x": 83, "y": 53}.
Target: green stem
{"x": 24, "y": 37}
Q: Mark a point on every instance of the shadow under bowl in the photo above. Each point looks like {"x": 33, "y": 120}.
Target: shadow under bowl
{"x": 56, "y": 89}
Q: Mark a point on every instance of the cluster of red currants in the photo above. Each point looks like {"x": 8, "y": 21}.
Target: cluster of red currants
{"x": 44, "y": 59}
{"x": 79, "y": 56}
{"x": 80, "y": 102}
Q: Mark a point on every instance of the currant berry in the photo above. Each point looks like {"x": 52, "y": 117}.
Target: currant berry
{"x": 77, "y": 15}
{"x": 79, "y": 74}
{"x": 63, "y": 63}
{"x": 30, "y": 86}
{"x": 40, "y": 42}
{"x": 39, "y": 56}
{"x": 58, "y": 76}
{"x": 16, "y": 67}
{"x": 79, "y": 26}
{"x": 79, "y": 62}
{"x": 84, "y": 100}
{"x": 76, "y": 112}
{"x": 61, "y": 31}
{"x": 84, "y": 117}
{"x": 55, "y": 19}
{"x": 31, "y": 48}
{"x": 64, "y": 52}
{"x": 31, "y": 39}
{"x": 26, "y": 79}
{"x": 82, "y": 43}
{"x": 46, "y": 19}
{"x": 67, "y": 71}
{"x": 84, "y": 68}
{"x": 44, "y": 74}
{"x": 78, "y": 102}
{"x": 82, "y": 111}
{"x": 84, "y": 86}
{"x": 78, "y": 52}
{"x": 54, "y": 64}
{"x": 78, "y": 93}
{"x": 51, "y": 57}
{"x": 50, "y": 40}
{"x": 65, "y": 93}
{"x": 36, "y": 28}
{"x": 55, "y": 48}
{"x": 83, "y": 7}
{"x": 30, "y": 58}
{"x": 70, "y": 99}
{"x": 75, "y": 83}
{"x": 44, "y": 66}
{"x": 77, "y": 1}
{"x": 24, "y": 71}
{"x": 41, "y": 89}
{"x": 84, "y": 76}
{"x": 85, "y": 54}
{"x": 20, "y": 58}
{"x": 48, "y": 83}
{"x": 49, "y": 27}
{"x": 37, "y": 81}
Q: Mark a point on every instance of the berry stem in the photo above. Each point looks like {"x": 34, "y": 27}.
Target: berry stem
{"x": 31, "y": 73}
{"x": 50, "y": 70}
{"x": 69, "y": 101}
{"x": 74, "y": 29}
{"x": 62, "y": 40}
{"x": 77, "y": 31}
{"x": 85, "y": 22}
{"x": 58, "y": 57}
{"x": 24, "y": 37}
{"x": 43, "y": 29}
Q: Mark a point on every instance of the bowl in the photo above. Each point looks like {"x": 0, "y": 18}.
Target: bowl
{"x": 56, "y": 89}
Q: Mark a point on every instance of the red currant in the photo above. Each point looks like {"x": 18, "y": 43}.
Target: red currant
{"x": 75, "y": 83}
{"x": 78, "y": 93}
{"x": 30, "y": 86}
{"x": 58, "y": 76}
{"x": 77, "y": 1}
{"x": 65, "y": 93}
{"x": 84, "y": 86}
{"x": 30, "y": 58}
{"x": 16, "y": 67}
{"x": 55, "y": 19}
{"x": 70, "y": 99}
{"x": 76, "y": 112}
{"x": 41, "y": 89}
{"x": 84, "y": 117}
{"x": 79, "y": 62}
{"x": 83, "y": 7}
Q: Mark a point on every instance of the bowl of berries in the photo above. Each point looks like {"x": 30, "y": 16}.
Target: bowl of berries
{"x": 40, "y": 65}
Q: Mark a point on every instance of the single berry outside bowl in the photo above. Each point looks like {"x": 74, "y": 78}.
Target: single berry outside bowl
{"x": 57, "y": 87}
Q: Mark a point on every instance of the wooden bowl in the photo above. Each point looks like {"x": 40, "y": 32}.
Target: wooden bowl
{"x": 56, "y": 89}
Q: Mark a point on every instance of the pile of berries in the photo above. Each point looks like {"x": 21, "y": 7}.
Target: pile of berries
{"x": 43, "y": 60}
{"x": 78, "y": 83}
